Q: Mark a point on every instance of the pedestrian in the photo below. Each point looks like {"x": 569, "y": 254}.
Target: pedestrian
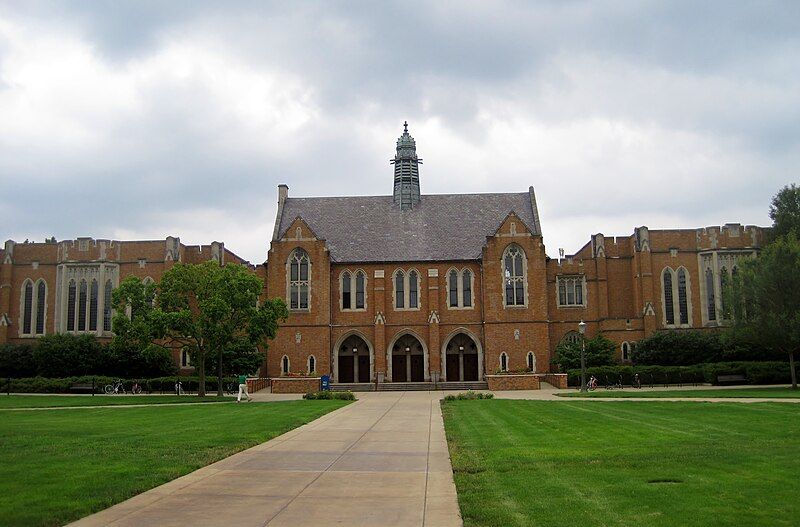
{"x": 178, "y": 388}
{"x": 637, "y": 383}
{"x": 243, "y": 389}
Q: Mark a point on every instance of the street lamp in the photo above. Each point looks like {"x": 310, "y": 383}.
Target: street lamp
{"x": 582, "y": 331}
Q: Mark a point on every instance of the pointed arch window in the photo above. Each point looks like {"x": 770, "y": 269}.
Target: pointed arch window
{"x": 683, "y": 302}
{"x": 107, "y": 306}
{"x": 71, "y": 298}
{"x": 669, "y": 305}
{"x": 346, "y": 295}
{"x": 514, "y": 275}
{"x": 466, "y": 288}
{"x": 571, "y": 290}
{"x": 453, "y": 288}
{"x": 353, "y": 290}
{"x": 724, "y": 280}
{"x": 503, "y": 362}
{"x": 531, "y": 360}
{"x": 406, "y": 289}
{"x": 82, "y": 307}
{"x": 93, "y": 303}
{"x": 285, "y": 365}
{"x": 41, "y": 298}
{"x": 361, "y": 288}
{"x": 626, "y": 352}
{"x": 710, "y": 298}
{"x": 399, "y": 290}
{"x": 413, "y": 290}
{"x": 299, "y": 280}
{"x": 312, "y": 364}
{"x": 27, "y": 308}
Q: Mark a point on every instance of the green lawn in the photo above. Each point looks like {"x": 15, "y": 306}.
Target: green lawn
{"x": 577, "y": 463}
{"x": 60, "y": 465}
{"x": 782, "y": 393}
{"x": 50, "y": 401}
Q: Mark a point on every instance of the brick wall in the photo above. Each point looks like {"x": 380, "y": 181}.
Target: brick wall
{"x": 512, "y": 382}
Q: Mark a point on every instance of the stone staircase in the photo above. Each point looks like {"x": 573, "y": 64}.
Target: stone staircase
{"x": 410, "y": 386}
{"x": 463, "y": 386}
{"x": 353, "y": 387}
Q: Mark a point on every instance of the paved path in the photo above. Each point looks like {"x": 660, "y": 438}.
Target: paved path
{"x": 382, "y": 461}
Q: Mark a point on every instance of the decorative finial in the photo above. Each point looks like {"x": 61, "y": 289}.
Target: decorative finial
{"x": 405, "y": 127}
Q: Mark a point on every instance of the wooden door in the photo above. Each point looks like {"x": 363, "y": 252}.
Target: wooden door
{"x": 363, "y": 368}
{"x": 452, "y": 367}
{"x": 471, "y": 367}
{"x": 417, "y": 368}
{"x": 346, "y": 368}
{"x": 398, "y": 368}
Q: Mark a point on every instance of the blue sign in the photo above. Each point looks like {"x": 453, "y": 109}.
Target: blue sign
{"x": 326, "y": 382}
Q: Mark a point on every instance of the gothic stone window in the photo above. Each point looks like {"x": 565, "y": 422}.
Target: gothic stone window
{"x": 571, "y": 291}
{"x": 285, "y": 365}
{"x": 312, "y": 364}
{"x": 514, "y": 276}
{"x": 674, "y": 297}
{"x": 107, "y": 305}
{"x": 459, "y": 289}
{"x": 350, "y": 282}
{"x": 33, "y": 300}
{"x": 299, "y": 280}
{"x": 406, "y": 289}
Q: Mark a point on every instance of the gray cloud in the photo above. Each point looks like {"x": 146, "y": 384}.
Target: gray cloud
{"x": 147, "y": 118}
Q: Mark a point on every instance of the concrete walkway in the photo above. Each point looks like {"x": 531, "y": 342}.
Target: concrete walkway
{"x": 382, "y": 461}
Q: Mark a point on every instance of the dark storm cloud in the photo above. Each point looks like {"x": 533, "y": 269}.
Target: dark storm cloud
{"x": 701, "y": 105}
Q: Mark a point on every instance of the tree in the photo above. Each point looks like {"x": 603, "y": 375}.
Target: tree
{"x": 785, "y": 211}
{"x": 766, "y": 298}
{"x": 208, "y": 310}
{"x": 599, "y": 352}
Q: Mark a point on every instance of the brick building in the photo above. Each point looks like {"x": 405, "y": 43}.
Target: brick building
{"x": 407, "y": 287}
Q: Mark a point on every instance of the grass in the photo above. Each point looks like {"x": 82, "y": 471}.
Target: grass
{"x": 575, "y": 463}
{"x": 53, "y": 401}
{"x": 778, "y": 393}
{"x": 60, "y": 465}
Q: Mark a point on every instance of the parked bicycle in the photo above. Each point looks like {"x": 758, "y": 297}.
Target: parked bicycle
{"x": 115, "y": 388}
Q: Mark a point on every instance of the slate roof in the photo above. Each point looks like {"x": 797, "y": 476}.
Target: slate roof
{"x": 439, "y": 227}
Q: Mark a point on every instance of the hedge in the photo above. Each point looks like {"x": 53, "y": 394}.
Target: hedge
{"x": 330, "y": 395}
{"x": 63, "y": 384}
{"x": 754, "y": 372}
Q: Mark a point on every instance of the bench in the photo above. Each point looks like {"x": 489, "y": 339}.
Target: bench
{"x": 731, "y": 379}
{"x": 83, "y": 387}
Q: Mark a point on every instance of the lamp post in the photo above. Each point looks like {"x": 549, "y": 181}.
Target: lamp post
{"x": 582, "y": 331}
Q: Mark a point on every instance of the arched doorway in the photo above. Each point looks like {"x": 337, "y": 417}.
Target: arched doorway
{"x": 408, "y": 359}
{"x": 353, "y": 360}
{"x": 462, "y": 358}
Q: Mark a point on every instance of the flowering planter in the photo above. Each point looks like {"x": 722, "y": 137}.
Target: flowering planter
{"x": 513, "y": 381}
{"x": 295, "y": 384}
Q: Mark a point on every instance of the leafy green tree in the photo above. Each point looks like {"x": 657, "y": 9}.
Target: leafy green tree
{"x": 785, "y": 211}
{"x": 208, "y": 309}
{"x": 766, "y": 298}
{"x": 599, "y": 352}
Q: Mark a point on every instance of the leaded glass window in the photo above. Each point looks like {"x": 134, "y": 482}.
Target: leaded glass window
{"x": 27, "y": 308}
{"x": 299, "y": 279}
{"x": 514, "y": 275}
{"x": 41, "y": 296}
{"x": 669, "y": 306}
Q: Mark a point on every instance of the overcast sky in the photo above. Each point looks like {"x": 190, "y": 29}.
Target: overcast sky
{"x": 138, "y": 120}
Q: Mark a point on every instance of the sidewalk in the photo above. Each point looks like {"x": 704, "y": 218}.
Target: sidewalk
{"x": 381, "y": 461}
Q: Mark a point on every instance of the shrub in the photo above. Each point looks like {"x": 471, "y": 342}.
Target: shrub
{"x": 63, "y": 384}
{"x": 469, "y": 396}
{"x": 65, "y": 354}
{"x": 686, "y": 348}
{"x": 330, "y": 395}
{"x": 599, "y": 352}
{"x": 16, "y": 360}
{"x": 754, "y": 372}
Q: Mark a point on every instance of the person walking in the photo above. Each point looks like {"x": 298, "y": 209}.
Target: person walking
{"x": 243, "y": 389}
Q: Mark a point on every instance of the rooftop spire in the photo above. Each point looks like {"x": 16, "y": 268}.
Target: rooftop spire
{"x": 406, "y": 171}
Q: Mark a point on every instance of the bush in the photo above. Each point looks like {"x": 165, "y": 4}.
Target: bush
{"x": 686, "y": 348}
{"x": 63, "y": 384}
{"x": 64, "y": 355}
{"x": 469, "y": 396}
{"x": 754, "y": 372}
{"x": 16, "y": 360}
{"x": 599, "y": 352}
{"x": 330, "y": 395}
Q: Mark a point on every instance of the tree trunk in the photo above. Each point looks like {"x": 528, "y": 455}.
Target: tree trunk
{"x": 201, "y": 373}
{"x": 219, "y": 374}
{"x": 791, "y": 368}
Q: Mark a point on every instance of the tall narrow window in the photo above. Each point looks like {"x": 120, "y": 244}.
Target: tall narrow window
{"x": 107, "y": 306}
{"x": 299, "y": 279}
{"x": 578, "y": 291}
{"x": 453, "y": 288}
{"x": 360, "y": 288}
{"x": 531, "y": 361}
{"x": 683, "y": 304}
{"x": 93, "y": 298}
{"x": 503, "y": 362}
{"x": 562, "y": 292}
{"x": 626, "y": 352}
{"x": 346, "y": 297}
{"x": 71, "y": 306}
{"x": 413, "y": 287}
{"x": 466, "y": 278}
{"x": 82, "y": 306}
{"x": 41, "y": 296}
{"x": 514, "y": 275}
{"x": 185, "y": 359}
{"x": 312, "y": 364}
{"x": 723, "y": 290}
{"x": 669, "y": 306}
{"x": 27, "y": 308}
{"x": 710, "y": 298}
{"x": 399, "y": 290}
{"x": 285, "y": 365}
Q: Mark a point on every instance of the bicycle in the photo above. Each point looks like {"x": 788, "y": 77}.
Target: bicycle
{"x": 136, "y": 389}
{"x": 114, "y": 388}
{"x": 231, "y": 388}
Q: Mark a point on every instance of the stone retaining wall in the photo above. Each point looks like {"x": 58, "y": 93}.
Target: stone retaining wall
{"x": 295, "y": 384}
{"x": 513, "y": 382}
{"x": 558, "y": 380}
{"x": 257, "y": 383}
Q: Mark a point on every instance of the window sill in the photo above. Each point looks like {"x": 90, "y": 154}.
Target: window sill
{"x": 567, "y": 306}
{"x": 407, "y": 309}
{"x": 358, "y": 310}
{"x": 457, "y": 308}
{"x": 505, "y": 306}
{"x": 299, "y": 311}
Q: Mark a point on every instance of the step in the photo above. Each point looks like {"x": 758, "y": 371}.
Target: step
{"x": 463, "y": 385}
{"x": 406, "y": 386}
{"x": 352, "y": 387}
